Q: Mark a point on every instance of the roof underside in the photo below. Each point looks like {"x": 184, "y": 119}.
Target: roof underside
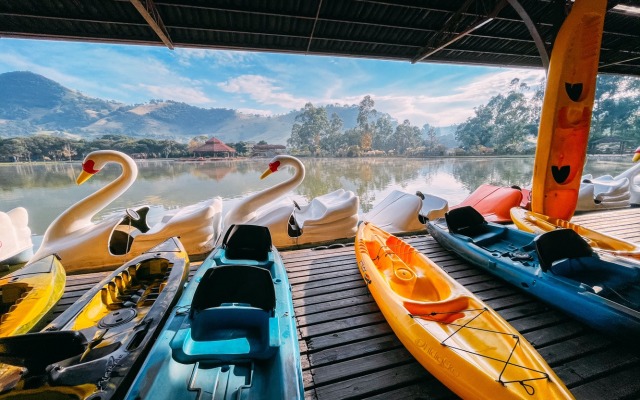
{"x": 510, "y": 33}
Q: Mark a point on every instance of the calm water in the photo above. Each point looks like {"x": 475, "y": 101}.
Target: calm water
{"x": 46, "y": 190}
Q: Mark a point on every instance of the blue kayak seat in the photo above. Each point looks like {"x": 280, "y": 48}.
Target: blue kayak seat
{"x": 231, "y": 317}
{"x": 229, "y": 333}
{"x": 247, "y": 242}
{"x": 234, "y": 284}
{"x": 560, "y": 244}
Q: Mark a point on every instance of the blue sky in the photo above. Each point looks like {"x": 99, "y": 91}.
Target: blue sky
{"x": 263, "y": 83}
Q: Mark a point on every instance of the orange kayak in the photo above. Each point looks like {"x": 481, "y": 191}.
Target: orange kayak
{"x": 566, "y": 111}
{"x": 453, "y": 334}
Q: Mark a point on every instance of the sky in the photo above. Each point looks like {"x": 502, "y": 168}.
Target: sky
{"x": 260, "y": 82}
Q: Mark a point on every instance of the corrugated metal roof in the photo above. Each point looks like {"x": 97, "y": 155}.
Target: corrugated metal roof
{"x": 398, "y": 30}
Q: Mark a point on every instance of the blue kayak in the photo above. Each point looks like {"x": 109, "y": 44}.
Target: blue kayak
{"x": 558, "y": 267}
{"x": 232, "y": 334}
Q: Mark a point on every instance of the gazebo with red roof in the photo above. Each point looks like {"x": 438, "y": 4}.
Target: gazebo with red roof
{"x": 216, "y": 148}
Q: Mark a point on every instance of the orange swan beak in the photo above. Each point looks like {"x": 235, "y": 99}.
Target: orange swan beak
{"x": 88, "y": 171}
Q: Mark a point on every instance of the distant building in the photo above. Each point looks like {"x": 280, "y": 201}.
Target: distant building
{"x": 214, "y": 148}
{"x": 267, "y": 150}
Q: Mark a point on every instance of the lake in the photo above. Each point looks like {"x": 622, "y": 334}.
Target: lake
{"x": 47, "y": 189}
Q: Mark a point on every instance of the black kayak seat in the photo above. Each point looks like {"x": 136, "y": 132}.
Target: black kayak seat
{"x": 560, "y": 244}
{"x": 466, "y": 221}
{"x": 36, "y": 351}
{"x": 247, "y": 242}
{"x": 242, "y": 284}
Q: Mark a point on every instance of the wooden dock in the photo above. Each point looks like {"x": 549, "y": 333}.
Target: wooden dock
{"x": 349, "y": 351}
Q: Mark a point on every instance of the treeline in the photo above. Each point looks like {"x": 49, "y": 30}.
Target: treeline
{"x": 43, "y": 147}
{"x": 55, "y": 148}
{"x": 508, "y": 124}
{"x": 315, "y": 133}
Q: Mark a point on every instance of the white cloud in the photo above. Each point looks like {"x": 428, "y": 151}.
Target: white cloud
{"x": 221, "y": 57}
{"x": 254, "y": 111}
{"x": 262, "y": 90}
{"x": 177, "y": 93}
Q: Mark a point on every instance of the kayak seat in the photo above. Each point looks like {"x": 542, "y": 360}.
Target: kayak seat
{"x": 560, "y": 244}
{"x": 445, "y": 311}
{"x": 36, "y": 351}
{"x": 234, "y": 284}
{"x": 231, "y": 332}
{"x": 595, "y": 273}
{"x": 247, "y": 242}
{"x": 469, "y": 222}
{"x": 231, "y": 317}
{"x": 466, "y": 221}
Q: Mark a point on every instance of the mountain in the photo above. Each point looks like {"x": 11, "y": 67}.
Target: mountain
{"x": 31, "y": 104}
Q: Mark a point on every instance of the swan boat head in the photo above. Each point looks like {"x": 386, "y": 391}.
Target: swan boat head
{"x": 251, "y": 208}
{"x": 636, "y": 155}
{"x": 73, "y": 229}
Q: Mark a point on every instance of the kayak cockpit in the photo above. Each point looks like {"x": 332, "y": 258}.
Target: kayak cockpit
{"x": 565, "y": 255}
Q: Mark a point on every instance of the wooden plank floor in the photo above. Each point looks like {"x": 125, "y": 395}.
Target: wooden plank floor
{"x": 349, "y": 351}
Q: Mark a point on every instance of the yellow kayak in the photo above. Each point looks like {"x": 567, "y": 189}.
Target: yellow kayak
{"x": 454, "y": 335}
{"x": 29, "y": 293}
{"x": 93, "y": 349}
{"x": 566, "y": 111}
{"x": 529, "y": 221}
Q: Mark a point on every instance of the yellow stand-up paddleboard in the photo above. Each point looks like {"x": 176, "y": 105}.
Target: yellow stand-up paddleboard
{"x": 566, "y": 111}
{"x": 453, "y": 334}
{"x": 530, "y": 221}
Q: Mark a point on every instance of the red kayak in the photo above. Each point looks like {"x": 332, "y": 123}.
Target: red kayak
{"x": 495, "y": 202}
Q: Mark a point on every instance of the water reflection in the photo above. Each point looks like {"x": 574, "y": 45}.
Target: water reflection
{"x": 48, "y": 189}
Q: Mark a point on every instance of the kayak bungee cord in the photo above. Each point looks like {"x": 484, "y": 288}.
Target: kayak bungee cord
{"x": 528, "y": 388}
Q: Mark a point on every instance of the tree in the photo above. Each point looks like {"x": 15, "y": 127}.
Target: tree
{"x": 406, "y": 136}
{"x": 366, "y": 126}
{"x": 196, "y": 142}
{"x": 333, "y": 141}
{"x": 241, "y": 147}
{"x": 383, "y": 134}
{"x": 309, "y": 128}
{"x": 504, "y": 123}
{"x": 431, "y": 141}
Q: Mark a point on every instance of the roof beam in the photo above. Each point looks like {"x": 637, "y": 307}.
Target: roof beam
{"x": 451, "y": 26}
{"x": 150, "y": 13}
{"x": 533, "y": 31}
{"x": 313, "y": 29}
